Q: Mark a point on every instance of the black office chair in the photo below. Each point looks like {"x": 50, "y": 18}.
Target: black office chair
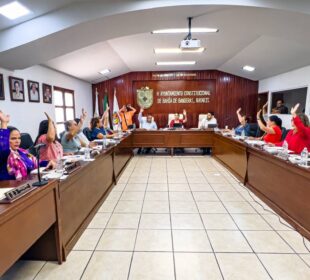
{"x": 284, "y": 133}
{"x": 87, "y": 133}
{"x": 26, "y": 141}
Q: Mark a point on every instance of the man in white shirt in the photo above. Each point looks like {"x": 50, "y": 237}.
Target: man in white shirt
{"x": 147, "y": 123}
{"x": 209, "y": 119}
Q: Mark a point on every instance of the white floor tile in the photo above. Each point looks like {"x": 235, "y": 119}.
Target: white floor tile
{"x": 191, "y": 241}
{"x": 108, "y": 266}
{"x": 153, "y": 207}
{"x": 70, "y": 270}
{"x": 152, "y": 266}
{"x": 124, "y": 206}
{"x": 285, "y": 267}
{"x": 127, "y": 221}
{"x": 88, "y": 240}
{"x": 211, "y": 207}
{"x": 117, "y": 240}
{"x": 218, "y": 221}
{"x": 241, "y": 267}
{"x": 228, "y": 241}
{"x": 250, "y": 222}
{"x": 188, "y": 207}
{"x": 155, "y": 221}
{"x": 196, "y": 266}
{"x": 154, "y": 240}
{"x": 186, "y": 221}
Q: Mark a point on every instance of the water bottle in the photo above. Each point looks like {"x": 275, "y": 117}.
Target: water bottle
{"x": 104, "y": 143}
{"x": 87, "y": 153}
{"x": 233, "y": 133}
{"x": 243, "y": 133}
{"x": 285, "y": 145}
{"x": 304, "y": 156}
{"x": 59, "y": 167}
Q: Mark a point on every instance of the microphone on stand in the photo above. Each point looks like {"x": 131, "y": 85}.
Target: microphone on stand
{"x": 41, "y": 182}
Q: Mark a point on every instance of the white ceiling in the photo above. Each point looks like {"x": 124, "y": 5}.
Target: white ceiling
{"x": 272, "y": 40}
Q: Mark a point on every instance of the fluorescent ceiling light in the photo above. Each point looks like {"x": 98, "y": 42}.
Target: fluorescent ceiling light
{"x": 178, "y": 50}
{"x": 185, "y": 30}
{"x": 165, "y": 63}
{"x": 105, "y": 71}
{"x": 248, "y": 68}
{"x": 14, "y": 10}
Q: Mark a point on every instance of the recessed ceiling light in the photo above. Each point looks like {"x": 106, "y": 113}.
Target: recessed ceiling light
{"x": 185, "y": 30}
{"x": 166, "y": 63}
{"x": 105, "y": 71}
{"x": 14, "y": 10}
{"x": 178, "y": 50}
{"x": 248, "y": 68}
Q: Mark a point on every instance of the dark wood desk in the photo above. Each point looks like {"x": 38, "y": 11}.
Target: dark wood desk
{"x": 283, "y": 186}
{"x": 172, "y": 139}
{"x": 232, "y": 154}
{"x": 28, "y": 221}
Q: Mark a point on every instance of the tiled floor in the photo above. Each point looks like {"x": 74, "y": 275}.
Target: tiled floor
{"x": 184, "y": 218}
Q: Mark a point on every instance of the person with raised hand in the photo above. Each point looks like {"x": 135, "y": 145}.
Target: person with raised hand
{"x": 244, "y": 124}
{"x": 47, "y": 135}
{"x": 299, "y": 136}
{"x": 15, "y": 163}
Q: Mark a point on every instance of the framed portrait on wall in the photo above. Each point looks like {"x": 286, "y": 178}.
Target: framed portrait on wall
{"x": 47, "y": 93}
{"x": 1, "y": 87}
{"x": 33, "y": 91}
{"x": 17, "y": 91}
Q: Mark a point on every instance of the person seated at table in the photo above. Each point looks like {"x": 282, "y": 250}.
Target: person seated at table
{"x": 177, "y": 120}
{"x": 299, "y": 136}
{"x": 280, "y": 107}
{"x": 82, "y": 137}
{"x": 70, "y": 141}
{"x": 148, "y": 123}
{"x": 272, "y": 130}
{"x": 244, "y": 125}
{"x": 97, "y": 126}
{"x": 126, "y": 113}
{"x": 47, "y": 135}
{"x": 209, "y": 119}
{"x": 15, "y": 162}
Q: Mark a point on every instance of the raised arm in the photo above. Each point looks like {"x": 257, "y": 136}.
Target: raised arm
{"x": 265, "y": 108}
{"x": 51, "y": 131}
{"x": 132, "y": 109}
{"x": 297, "y": 121}
{"x": 239, "y": 115}
{"x": 261, "y": 125}
{"x": 4, "y": 133}
{"x": 79, "y": 126}
{"x": 140, "y": 115}
{"x": 185, "y": 116}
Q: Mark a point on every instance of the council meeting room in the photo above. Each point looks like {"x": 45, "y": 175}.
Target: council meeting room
{"x": 154, "y": 140}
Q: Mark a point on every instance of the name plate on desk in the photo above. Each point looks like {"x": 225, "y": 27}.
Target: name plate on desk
{"x": 15, "y": 193}
{"x": 72, "y": 167}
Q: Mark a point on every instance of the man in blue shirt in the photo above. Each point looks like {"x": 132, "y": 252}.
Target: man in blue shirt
{"x": 148, "y": 122}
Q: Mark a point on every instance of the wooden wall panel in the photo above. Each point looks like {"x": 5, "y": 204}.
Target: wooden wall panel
{"x": 229, "y": 92}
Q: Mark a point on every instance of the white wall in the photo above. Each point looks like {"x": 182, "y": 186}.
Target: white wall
{"x": 294, "y": 79}
{"x": 26, "y": 116}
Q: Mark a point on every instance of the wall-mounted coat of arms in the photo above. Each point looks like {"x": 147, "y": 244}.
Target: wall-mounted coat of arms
{"x": 145, "y": 97}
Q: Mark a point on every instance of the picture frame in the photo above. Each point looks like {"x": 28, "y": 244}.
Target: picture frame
{"x": 2, "y": 96}
{"x": 47, "y": 93}
{"x": 33, "y": 91}
{"x": 17, "y": 89}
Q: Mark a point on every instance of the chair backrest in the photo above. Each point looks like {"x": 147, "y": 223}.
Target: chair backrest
{"x": 26, "y": 141}
{"x": 284, "y": 133}
{"x": 171, "y": 117}
{"x": 254, "y": 130}
{"x": 87, "y": 133}
{"x": 200, "y": 119}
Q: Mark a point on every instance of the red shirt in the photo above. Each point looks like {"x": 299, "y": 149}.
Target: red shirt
{"x": 173, "y": 122}
{"x": 273, "y": 138}
{"x": 299, "y": 140}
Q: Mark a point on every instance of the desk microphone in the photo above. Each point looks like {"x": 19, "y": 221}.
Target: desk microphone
{"x": 39, "y": 146}
{"x": 41, "y": 182}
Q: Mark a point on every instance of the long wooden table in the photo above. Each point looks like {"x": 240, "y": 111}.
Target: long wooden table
{"x": 46, "y": 223}
{"x": 283, "y": 186}
{"x": 26, "y": 222}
